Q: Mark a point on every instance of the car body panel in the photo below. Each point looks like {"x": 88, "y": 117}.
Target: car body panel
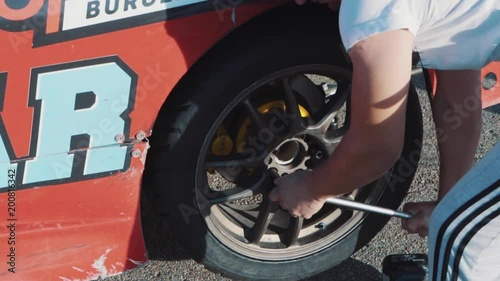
{"x": 77, "y": 104}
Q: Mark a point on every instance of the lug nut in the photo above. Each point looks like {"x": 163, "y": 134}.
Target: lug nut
{"x": 321, "y": 226}
{"x": 274, "y": 173}
{"x": 319, "y": 155}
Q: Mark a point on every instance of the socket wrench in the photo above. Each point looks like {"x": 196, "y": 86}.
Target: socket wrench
{"x": 346, "y": 203}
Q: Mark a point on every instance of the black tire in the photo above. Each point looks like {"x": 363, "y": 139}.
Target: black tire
{"x": 188, "y": 118}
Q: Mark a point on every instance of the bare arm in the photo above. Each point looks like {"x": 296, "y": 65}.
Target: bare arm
{"x": 382, "y": 71}
{"x": 381, "y": 76}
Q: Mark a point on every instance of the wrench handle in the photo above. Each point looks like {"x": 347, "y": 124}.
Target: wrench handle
{"x": 367, "y": 208}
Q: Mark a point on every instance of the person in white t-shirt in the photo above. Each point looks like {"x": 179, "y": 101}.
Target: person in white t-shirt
{"x": 455, "y": 37}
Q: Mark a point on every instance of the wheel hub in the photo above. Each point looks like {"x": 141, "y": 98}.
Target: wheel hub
{"x": 290, "y": 156}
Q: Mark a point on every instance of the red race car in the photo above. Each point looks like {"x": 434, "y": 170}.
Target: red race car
{"x": 193, "y": 102}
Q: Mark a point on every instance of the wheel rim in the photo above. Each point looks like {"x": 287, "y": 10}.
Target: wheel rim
{"x": 259, "y": 228}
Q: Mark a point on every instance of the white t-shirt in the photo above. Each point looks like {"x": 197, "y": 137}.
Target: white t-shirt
{"x": 449, "y": 34}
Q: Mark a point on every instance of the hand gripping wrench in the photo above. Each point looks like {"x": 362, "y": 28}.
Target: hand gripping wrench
{"x": 350, "y": 204}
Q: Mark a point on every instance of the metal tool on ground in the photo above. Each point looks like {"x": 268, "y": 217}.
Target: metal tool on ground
{"x": 405, "y": 267}
{"x": 367, "y": 208}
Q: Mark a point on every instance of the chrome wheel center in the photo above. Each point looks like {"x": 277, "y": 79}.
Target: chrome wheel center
{"x": 290, "y": 156}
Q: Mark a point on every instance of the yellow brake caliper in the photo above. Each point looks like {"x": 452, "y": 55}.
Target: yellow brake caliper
{"x": 223, "y": 144}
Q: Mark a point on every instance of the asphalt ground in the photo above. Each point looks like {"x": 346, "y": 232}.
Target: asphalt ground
{"x": 168, "y": 262}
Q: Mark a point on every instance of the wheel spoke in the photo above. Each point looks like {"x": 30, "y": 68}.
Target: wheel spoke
{"x": 326, "y": 114}
{"x": 239, "y": 192}
{"x": 335, "y": 136}
{"x": 267, "y": 210}
{"x": 241, "y": 217}
{"x": 332, "y": 139}
{"x": 292, "y": 106}
{"x": 257, "y": 120}
{"x": 235, "y": 160}
{"x": 292, "y": 234}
